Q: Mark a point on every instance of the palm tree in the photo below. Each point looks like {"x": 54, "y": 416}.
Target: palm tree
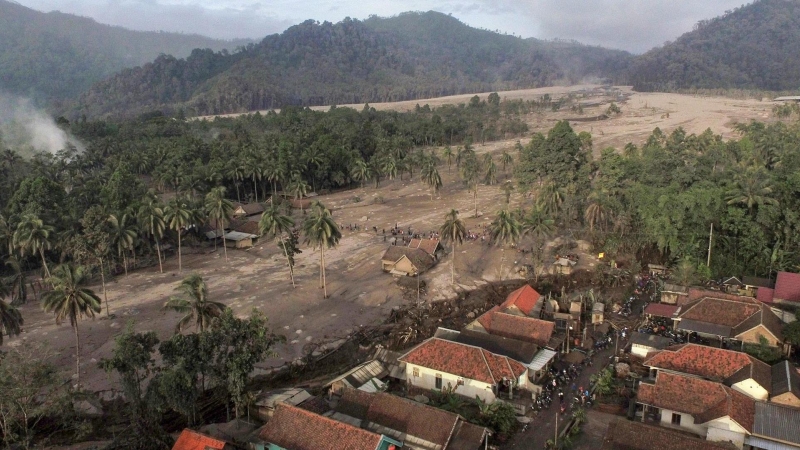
{"x": 431, "y": 177}
{"x": 506, "y": 159}
{"x": 448, "y": 153}
{"x": 123, "y": 236}
{"x": 236, "y": 172}
{"x": 507, "y": 188}
{"x": 151, "y": 222}
{"x": 321, "y": 231}
{"x": 491, "y": 173}
{"x": 10, "y": 319}
{"x": 7, "y": 233}
{"x": 505, "y": 230}
{"x": 361, "y": 171}
{"x": 274, "y": 224}
{"x": 551, "y": 198}
{"x": 219, "y": 210}
{"x": 537, "y": 224}
{"x": 453, "y": 231}
{"x": 389, "y": 167}
{"x": 752, "y": 189}
{"x": 179, "y": 215}
{"x": 33, "y": 236}
{"x": 69, "y": 299}
{"x": 195, "y": 303}
{"x": 596, "y": 213}
{"x": 299, "y": 189}
{"x": 470, "y": 173}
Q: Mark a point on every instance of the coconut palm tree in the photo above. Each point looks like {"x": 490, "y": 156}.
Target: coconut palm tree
{"x": 361, "y": 171}
{"x": 275, "y": 224}
{"x": 7, "y": 233}
{"x": 195, "y": 304}
{"x": 10, "y": 319}
{"x": 33, "y": 236}
{"x": 452, "y": 231}
{"x": 431, "y": 177}
{"x": 506, "y": 159}
{"x": 507, "y": 188}
{"x": 70, "y": 299}
{"x": 596, "y": 213}
{"x": 179, "y": 215}
{"x": 219, "y": 210}
{"x": 321, "y": 231}
{"x": 551, "y": 198}
{"x": 448, "y": 153}
{"x": 505, "y": 229}
{"x": 122, "y": 232}
{"x": 491, "y": 173}
{"x": 151, "y": 222}
{"x": 752, "y": 189}
{"x": 299, "y": 189}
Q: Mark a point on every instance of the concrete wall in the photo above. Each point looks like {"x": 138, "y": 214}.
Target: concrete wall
{"x": 751, "y": 336}
{"x": 641, "y": 350}
{"x": 726, "y": 430}
{"x": 404, "y": 265}
{"x": 687, "y": 422}
{"x": 470, "y": 388}
{"x": 750, "y": 388}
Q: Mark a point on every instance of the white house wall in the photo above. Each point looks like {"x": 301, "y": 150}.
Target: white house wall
{"x": 726, "y": 430}
{"x": 470, "y": 388}
{"x": 687, "y": 422}
{"x": 750, "y": 388}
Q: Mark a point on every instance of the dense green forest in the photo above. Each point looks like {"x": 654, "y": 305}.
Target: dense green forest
{"x": 54, "y": 56}
{"x": 756, "y": 46}
{"x": 411, "y": 56}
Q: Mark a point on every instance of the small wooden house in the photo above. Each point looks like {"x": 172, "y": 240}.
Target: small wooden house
{"x": 236, "y": 239}
{"x": 406, "y": 261}
{"x": 598, "y": 310}
{"x": 674, "y": 294}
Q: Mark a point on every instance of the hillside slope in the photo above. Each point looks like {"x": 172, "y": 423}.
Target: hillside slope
{"x": 54, "y": 56}
{"x": 410, "y": 56}
{"x": 755, "y": 46}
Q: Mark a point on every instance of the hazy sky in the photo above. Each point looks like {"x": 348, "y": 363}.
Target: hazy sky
{"x": 634, "y": 25}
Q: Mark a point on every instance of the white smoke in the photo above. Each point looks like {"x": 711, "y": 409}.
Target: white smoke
{"x": 28, "y": 130}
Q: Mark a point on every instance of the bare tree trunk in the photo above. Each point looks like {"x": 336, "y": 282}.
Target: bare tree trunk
{"x": 286, "y": 253}
{"x": 125, "y": 263}
{"x": 103, "y": 280}
{"x": 44, "y": 263}
{"x": 180, "y": 260}
{"x": 324, "y": 286}
{"x": 475, "y": 196}
{"x": 77, "y": 355}
{"x": 453, "y": 266}
{"x": 224, "y": 247}
{"x": 158, "y": 250}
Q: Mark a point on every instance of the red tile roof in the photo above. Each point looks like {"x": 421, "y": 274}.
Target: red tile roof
{"x": 296, "y": 429}
{"x": 708, "y": 362}
{"x": 511, "y": 326}
{"x": 765, "y": 295}
{"x": 192, "y": 440}
{"x": 629, "y": 435}
{"x": 428, "y": 245}
{"x": 705, "y": 400}
{"x": 728, "y": 312}
{"x": 524, "y": 299}
{"x": 787, "y": 287}
{"x": 661, "y": 310}
{"x": 463, "y": 360}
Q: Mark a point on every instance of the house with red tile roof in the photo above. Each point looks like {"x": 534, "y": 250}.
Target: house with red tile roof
{"x": 430, "y": 246}
{"x": 731, "y": 317}
{"x": 524, "y": 301}
{"x": 736, "y": 370}
{"x": 192, "y": 440}
{"x": 702, "y": 407}
{"x": 500, "y": 323}
{"x": 629, "y": 435}
{"x": 471, "y": 371}
{"x": 292, "y": 428}
{"x": 413, "y": 423}
{"x": 406, "y": 261}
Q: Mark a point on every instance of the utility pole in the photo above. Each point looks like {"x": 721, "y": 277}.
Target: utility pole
{"x": 710, "y": 237}
{"x": 555, "y": 441}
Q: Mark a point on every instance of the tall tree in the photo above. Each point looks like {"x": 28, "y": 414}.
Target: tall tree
{"x": 506, "y": 159}
{"x": 431, "y": 177}
{"x": 10, "y": 319}
{"x": 32, "y": 237}
{"x": 195, "y": 304}
{"x": 448, "y": 154}
{"x": 179, "y": 216}
{"x": 123, "y": 236}
{"x": 151, "y": 222}
{"x": 453, "y": 232}
{"x": 275, "y": 224}
{"x": 70, "y": 299}
{"x": 219, "y": 210}
{"x": 322, "y": 232}
{"x": 470, "y": 174}
{"x": 505, "y": 229}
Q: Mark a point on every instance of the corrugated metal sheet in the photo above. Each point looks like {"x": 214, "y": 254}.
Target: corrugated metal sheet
{"x": 765, "y": 444}
{"x": 704, "y": 327}
{"x": 360, "y": 375}
{"x": 541, "y": 359}
{"x": 777, "y": 422}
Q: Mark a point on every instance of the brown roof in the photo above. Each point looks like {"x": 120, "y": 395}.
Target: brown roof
{"x": 661, "y": 310}
{"x": 421, "y": 260}
{"x": 527, "y": 329}
{"x": 246, "y": 226}
{"x": 296, "y": 429}
{"x": 192, "y": 440}
{"x": 705, "y": 400}
{"x": 250, "y": 209}
{"x": 434, "y": 425}
{"x": 463, "y": 360}
{"x": 764, "y": 317}
{"x": 524, "y": 299}
{"x": 715, "y": 364}
{"x": 631, "y": 435}
{"x": 736, "y": 314}
{"x": 787, "y": 286}
{"x": 428, "y": 245}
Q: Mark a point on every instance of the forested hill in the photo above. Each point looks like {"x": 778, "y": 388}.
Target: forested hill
{"x": 53, "y": 56}
{"x": 413, "y": 55}
{"x": 755, "y": 46}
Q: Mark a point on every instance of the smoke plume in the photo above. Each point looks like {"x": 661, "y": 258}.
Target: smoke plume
{"x": 28, "y": 130}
